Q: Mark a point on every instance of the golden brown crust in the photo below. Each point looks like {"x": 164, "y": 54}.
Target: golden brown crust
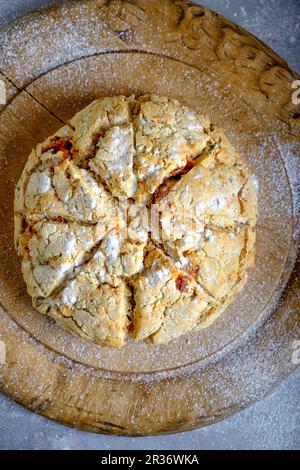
{"x": 94, "y": 267}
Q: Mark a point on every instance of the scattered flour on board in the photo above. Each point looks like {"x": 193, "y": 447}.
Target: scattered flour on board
{"x": 257, "y": 372}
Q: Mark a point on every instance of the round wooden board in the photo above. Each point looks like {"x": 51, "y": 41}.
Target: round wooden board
{"x": 54, "y": 62}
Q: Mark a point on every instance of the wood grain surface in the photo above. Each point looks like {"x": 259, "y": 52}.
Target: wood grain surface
{"x": 54, "y": 62}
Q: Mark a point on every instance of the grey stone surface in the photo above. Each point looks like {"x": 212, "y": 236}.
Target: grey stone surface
{"x": 272, "y": 423}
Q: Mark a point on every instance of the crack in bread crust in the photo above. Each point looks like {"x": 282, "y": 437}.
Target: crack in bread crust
{"x": 89, "y": 257}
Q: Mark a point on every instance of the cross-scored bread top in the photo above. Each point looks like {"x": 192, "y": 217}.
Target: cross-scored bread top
{"x": 137, "y": 219}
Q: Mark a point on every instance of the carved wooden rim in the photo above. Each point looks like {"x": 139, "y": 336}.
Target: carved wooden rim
{"x": 76, "y": 395}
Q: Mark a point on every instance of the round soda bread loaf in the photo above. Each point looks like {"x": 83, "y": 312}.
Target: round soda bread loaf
{"x": 135, "y": 220}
